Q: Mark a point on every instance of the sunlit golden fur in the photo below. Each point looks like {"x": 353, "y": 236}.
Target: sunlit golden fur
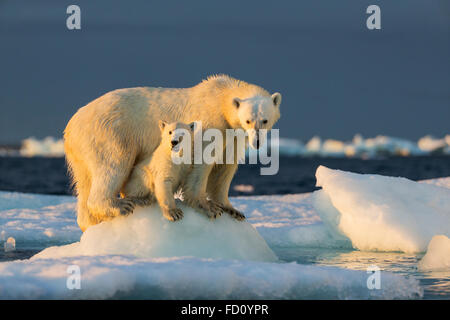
{"x": 111, "y": 135}
{"x": 158, "y": 177}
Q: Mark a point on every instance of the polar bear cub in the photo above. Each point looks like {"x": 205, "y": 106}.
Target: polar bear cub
{"x": 159, "y": 177}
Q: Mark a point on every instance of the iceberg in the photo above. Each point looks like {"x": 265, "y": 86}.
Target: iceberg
{"x": 379, "y": 213}
{"x": 437, "y": 257}
{"x": 47, "y": 147}
{"x": 431, "y": 144}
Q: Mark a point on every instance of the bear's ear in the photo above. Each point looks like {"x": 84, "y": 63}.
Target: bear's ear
{"x": 162, "y": 124}
{"x": 276, "y": 99}
{"x": 236, "y": 102}
{"x": 192, "y": 125}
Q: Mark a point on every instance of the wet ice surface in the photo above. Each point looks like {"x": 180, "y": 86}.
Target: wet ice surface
{"x": 436, "y": 285}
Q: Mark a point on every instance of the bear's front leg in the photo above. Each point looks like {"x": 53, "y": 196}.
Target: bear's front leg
{"x": 164, "y": 196}
{"x": 194, "y": 191}
{"x": 219, "y": 182}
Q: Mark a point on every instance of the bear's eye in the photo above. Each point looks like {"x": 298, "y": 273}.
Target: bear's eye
{"x": 248, "y": 121}
{"x": 265, "y": 121}
{"x": 170, "y": 132}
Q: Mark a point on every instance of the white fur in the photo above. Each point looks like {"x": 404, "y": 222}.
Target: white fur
{"x": 159, "y": 177}
{"x": 113, "y": 134}
{"x": 258, "y": 112}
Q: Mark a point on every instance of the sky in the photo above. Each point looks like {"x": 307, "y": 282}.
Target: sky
{"x": 336, "y": 76}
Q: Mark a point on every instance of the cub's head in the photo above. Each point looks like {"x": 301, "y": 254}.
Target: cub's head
{"x": 257, "y": 112}
{"x": 176, "y": 135}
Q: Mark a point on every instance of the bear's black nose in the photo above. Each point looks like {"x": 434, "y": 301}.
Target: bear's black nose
{"x": 174, "y": 143}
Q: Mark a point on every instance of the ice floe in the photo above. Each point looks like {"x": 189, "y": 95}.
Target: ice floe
{"x": 143, "y": 256}
{"x": 47, "y": 147}
{"x": 146, "y": 233}
{"x": 103, "y": 277}
{"x": 382, "y": 213}
{"x": 437, "y": 257}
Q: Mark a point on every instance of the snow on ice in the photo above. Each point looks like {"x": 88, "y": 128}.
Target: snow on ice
{"x": 383, "y": 213}
{"x": 146, "y": 233}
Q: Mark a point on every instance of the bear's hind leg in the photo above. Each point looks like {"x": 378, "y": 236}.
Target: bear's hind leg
{"x": 103, "y": 202}
{"x": 81, "y": 182}
{"x": 84, "y": 218}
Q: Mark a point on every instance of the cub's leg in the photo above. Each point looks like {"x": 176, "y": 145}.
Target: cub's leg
{"x": 194, "y": 191}
{"x": 164, "y": 195}
{"x": 218, "y": 187}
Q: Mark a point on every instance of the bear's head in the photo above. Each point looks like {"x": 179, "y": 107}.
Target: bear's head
{"x": 176, "y": 136}
{"x": 257, "y": 112}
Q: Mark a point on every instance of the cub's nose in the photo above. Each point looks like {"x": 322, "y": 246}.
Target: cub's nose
{"x": 174, "y": 143}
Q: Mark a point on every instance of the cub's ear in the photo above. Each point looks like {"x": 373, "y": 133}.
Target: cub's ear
{"x": 192, "y": 125}
{"x": 162, "y": 124}
{"x": 276, "y": 99}
{"x": 236, "y": 102}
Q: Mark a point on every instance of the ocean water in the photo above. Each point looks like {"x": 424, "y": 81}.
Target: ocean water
{"x": 436, "y": 285}
{"x": 296, "y": 175}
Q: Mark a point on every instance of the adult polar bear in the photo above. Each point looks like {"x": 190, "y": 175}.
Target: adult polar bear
{"x": 105, "y": 139}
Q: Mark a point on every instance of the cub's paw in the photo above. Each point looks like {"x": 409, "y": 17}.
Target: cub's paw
{"x": 174, "y": 214}
{"x": 126, "y": 206}
{"x": 234, "y": 213}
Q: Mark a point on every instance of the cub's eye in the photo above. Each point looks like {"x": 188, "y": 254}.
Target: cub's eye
{"x": 170, "y": 132}
{"x": 264, "y": 121}
{"x": 248, "y": 121}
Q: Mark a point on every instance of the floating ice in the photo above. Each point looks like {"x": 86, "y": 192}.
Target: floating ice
{"x": 146, "y": 233}
{"x": 35, "y": 218}
{"x": 437, "y": 257}
{"x": 118, "y": 277}
{"x": 382, "y": 213}
{"x": 245, "y": 188}
{"x": 282, "y": 220}
{"x": 431, "y": 144}
{"x": 48, "y": 147}
{"x": 358, "y": 147}
{"x": 361, "y": 147}
{"x": 10, "y": 244}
